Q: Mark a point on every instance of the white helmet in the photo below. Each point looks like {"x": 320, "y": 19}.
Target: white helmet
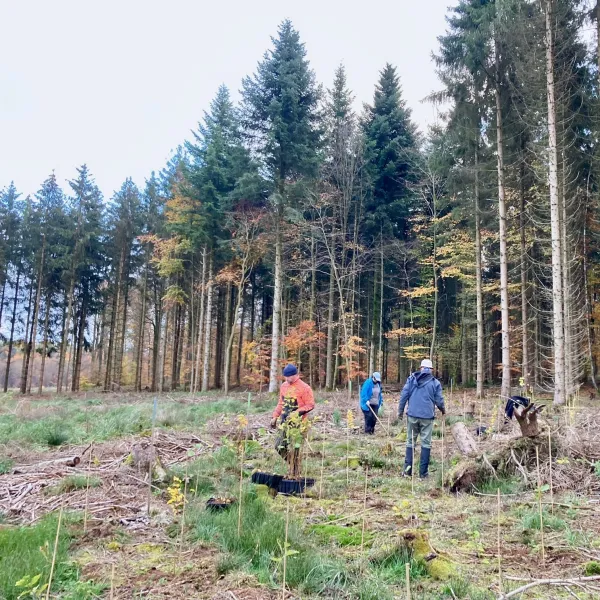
{"x": 427, "y": 363}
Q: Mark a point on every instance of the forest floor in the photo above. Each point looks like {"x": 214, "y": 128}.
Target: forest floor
{"x": 342, "y": 542}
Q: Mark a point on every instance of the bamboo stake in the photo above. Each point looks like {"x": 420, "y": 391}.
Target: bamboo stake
{"x": 407, "y": 567}
{"x": 499, "y": 550}
{"x": 87, "y": 490}
{"x": 183, "y": 512}
{"x": 54, "y": 553}
{"x": 153, "y": 452}
{"x": 412, "y": 469}
{"x": 550, "y": 466}
{"x": 443, "y": 447}
{"x": 322, "y": 468}
{"x": 539, "y": 492}
{"x": 239, "y": 529}
{"x": 464, "y": 406}
{"x": 285, "y": 544}
{"x": 112, "y": 582}
{"x": 362, "y": 537}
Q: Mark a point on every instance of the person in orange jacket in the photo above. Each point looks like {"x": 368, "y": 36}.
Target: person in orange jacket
{"x": 295, "y": 396}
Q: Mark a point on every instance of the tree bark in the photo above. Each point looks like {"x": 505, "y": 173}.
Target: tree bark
{"x": 65, "y": 332}
{"x": 506, "y": 379}
{"x": 45, "y": 343}
{"x": 200, "y": 323}
{"x": 207, "y": 327}
{"x": 524, "y": 286}
{"x": 274, "y": 370}
{"x": 330, "y": 316}
{"x": 141, "y": 331}
{"x": 555, "y": 218}
{"x": 12, "y": 330}
{"x": 28, "y": 335}
{"x": 479, "y": 281}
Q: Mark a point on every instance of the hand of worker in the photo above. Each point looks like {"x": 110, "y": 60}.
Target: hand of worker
{"x": 273, "y": 423}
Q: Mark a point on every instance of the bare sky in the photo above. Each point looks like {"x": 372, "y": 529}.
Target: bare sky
{"x": 119, "y": 84}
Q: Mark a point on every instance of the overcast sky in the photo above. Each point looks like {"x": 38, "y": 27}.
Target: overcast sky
{"x": 119, "y": 84}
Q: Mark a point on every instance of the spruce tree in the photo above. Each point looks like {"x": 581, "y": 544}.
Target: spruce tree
{"x": 281, "y": 119}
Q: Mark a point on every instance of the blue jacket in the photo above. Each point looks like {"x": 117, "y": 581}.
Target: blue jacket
{"x": 423, "y": 392}
{"x": 366, "y": 391}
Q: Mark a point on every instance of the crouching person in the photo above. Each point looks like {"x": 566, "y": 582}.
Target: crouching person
{"x": 422, "y": 393}
{"x": 371, "y": 399}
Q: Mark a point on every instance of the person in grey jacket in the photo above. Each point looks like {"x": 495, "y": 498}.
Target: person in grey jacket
{"x": 422, "y": 392}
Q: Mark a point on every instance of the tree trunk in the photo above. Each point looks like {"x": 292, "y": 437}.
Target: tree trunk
{"x": 12, "y": 330}
{"x": 163, "y": 355}
{"x": 380, "y": 341}
{"x": 524, "y": 286}
{"x": 436, "y": 291}
{"x": 465, "y": 442}
{"x": 479, "y": 281}
{"x": 156, "y": 337}
{"x": 28, "y": 338}
{"x": 330, "y": 316}
{"x": 238, "y": 373}
{"x": 207, "y": 327}
{"x": 274, "y": 370}
{"x": 464, "y": 371}
{"x": 141, "y": 331}
{"x": 78, "y": 354}
{"x": 65, "y": 332}
{"x": 506, "y": 379}
{"x": 108, "y": 380}
{"x": 200, "y": 322}
{"x": 45, "y": 343}
{"x": 229, "y": 335}
{"x": 123, "y": 333}
{"x": 555, "y": 218}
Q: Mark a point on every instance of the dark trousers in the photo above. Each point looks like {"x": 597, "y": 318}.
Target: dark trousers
{"x": 370, "y": 419}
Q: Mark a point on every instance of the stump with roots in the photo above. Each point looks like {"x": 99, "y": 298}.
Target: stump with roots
{"x": 503, "y": 458}
{"x": 439, "y": 565}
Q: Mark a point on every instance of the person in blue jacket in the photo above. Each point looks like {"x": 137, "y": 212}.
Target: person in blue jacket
{"x": 422, "y": 392}
{"x": 371, "y": 399}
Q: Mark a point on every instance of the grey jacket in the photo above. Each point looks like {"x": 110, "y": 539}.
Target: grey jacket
{"x": 422, "y": 392}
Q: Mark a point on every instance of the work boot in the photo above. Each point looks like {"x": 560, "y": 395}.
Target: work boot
{"x": 408, "y": 463}
{"x": 424, "y": 463}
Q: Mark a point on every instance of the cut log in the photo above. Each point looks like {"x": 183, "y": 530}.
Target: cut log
{"x": 464, "y": 440}
{"x": 69, "y": 461}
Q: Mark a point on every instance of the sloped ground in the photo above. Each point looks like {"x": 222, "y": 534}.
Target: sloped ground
{"x": 141, "y": 555}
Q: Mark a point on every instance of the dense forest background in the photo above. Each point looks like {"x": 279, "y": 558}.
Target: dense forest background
{"x": 290, "y": 227}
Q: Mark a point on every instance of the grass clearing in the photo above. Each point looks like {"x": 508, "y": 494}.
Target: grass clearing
{"x": 77, "y": 421}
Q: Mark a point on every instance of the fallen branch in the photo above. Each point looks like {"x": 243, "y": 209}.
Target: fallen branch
{"x": 71, "y": 461}
{"x": 537, "y": 582}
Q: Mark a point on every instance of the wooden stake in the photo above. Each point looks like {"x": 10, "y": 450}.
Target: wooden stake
{"x": 407, "y": 567}
{"x": 322, "y": 468}
{"x": 54, "y": 553}
{"x": 348, "y": 455}
{"x": 539, "y": 492}
{"x": 87, "y": 490}
{"x": 464, "y": 406}
{"x": 550, "y": 467}
{"x": 239, "y": 531}
{"x": 285, "y": 549}
{"x": 112, "y": 582}
{"x": 362, "y": 537}
{"x": 499, "y": 550}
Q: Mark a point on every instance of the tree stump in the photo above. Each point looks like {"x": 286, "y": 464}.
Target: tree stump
{"x": 527, "y": 418}
{"x": 439, "y": 566}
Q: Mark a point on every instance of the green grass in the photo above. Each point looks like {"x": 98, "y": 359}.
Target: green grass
{"x": 79, "y": 421}
{"x": 507, "y": 485}
{"x": 391, "y": 566}
{"x": 6, "y": 464}
{"x": 340, "y": 535}
{"x": 259, "y": 548}
{"x": 73, "y": 483}
{"x": 530, "y": 519}
{"x": 21, "y": 555}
